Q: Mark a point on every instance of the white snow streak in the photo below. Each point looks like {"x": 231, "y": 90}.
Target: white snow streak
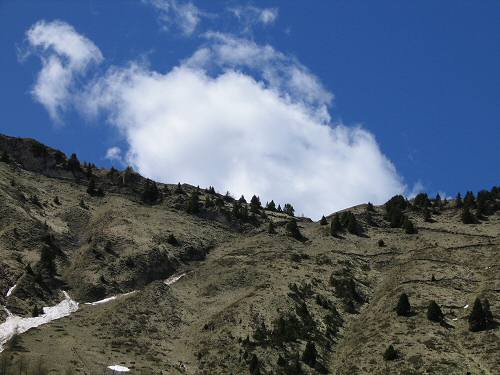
{"x": 174, "y": 278}
{"x": 119, "y": 368}
{"x": 109, "y": 299}
{"x": 9, "y": 292}
{"x": 16, "y": 324}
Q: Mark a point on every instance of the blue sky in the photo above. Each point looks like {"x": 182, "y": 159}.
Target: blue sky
{"x": 421, "y": 77}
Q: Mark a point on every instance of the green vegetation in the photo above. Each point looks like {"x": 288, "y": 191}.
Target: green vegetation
{"x": 403, "y": 307}
{"x": 434, "y": 313}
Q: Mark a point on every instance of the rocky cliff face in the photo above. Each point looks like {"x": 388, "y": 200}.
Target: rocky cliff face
{"x": 249, "y": 301}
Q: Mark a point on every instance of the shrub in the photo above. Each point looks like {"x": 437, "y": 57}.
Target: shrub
{"x": 323, "y": 221}
{"x": 390, "y": 354}
{"x": 403, "y": 307}
{"x": 193, "y": 206}
{"x": 434, "y": 313}
{"x": 381, "y": 243}
{"x": 151, "y": 194}
{"x": 271, "y": 228}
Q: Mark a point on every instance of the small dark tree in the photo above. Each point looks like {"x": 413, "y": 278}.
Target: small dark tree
{"x": 271, "y": 228}
{"x": 323, "y": 221}
{"x": 178, "y": 189}
{"x": 396, "y": 218}
{"x": 151, "y": 194}
{"x": 91, "y": 189}
{"x": 427, "y": 215}
{"x": 403, "y": 307}
{"x": 293, "y": 229}
{"x": 172, "y": 240}
{"x": 56, "y": 200}
{"x": 310, "y": 354}
{"x": 35, "y": 312}
{"x": 209, "y": 202}
{"x": 467, "y": 216}
{"x": 409, "y": 227}
{"x": 433, "y": 278}
{"x": 242, "y": 200}
{"x": 390, "y": 354}
{"x": 352, "y": 224}
{"x": 279, "y": 209}
{"x": 458, "y": 201}
{"x": 434, "y": 313}
{"x": 255, "y": 204}
{"x": 369, "y": 207}
{"x": 271, "y": 206}
{"x": 476, "y": 317}
{"x": 336, "y": 225}
{"x": 73, "y": 164}
{"x": 254, "y": 365}
{"x": 5, "y": 157}
{"x": 421, "y": 200}
{"x": 381, "y": 243}
{"x": 288, "y": 209}
{"x": 437, "y": 201}
{"x": 469, "y": 200}
{"x": 47, "y": 260}
{"x": 193, "y": 206}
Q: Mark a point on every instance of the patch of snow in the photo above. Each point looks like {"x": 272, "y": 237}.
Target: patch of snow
{"x": 466, "y": 306}
{"x": 119, "y": 368}
{"x": 455, "y": 319}
{"x": 109, "y": 299}
{"x": 9, "y": 292}
{"x": 174, "y": 278}
{"x": 16, "y": 324}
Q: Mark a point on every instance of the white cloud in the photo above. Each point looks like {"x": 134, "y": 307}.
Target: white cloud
{"x": 64, "y": 54}
{"x": 178, "y": 14}
{"x": 247, "y": 119}
{"x": 244, "y": 118}
{"x": 114, "y": 153}
{"x": 250, "y": 16}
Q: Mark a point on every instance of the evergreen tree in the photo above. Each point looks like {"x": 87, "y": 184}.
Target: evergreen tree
{"x": 390, "y": 354}
{"x": 310, "y": 354}
{"x": 409, "y": 227}
{"x": 469, "y": 200}
{"x": 403, "y": 307}
{"x": 242, "y": 200}
{"x": 336, "y": 225}
{"x": 254, "y": 365}
{"x": 74, "y": 164}
{"x": 437, "y": 201}
{"x": 193, "y": 206}
{"x": 35, "y": 312}
{"x": 178, "y": 189}
{"x": 271, "y": 229}
{"x": 421, "y": 200}
{"x": 151, "y": 194}
{"x": 352, "y": 224}
{"x": 271, "y": 206}
{"x": 458, "y": 201}
{"x": 293, "y": 229}
{"x": 91, "y": 190}
{"x": 396, "y": 218}
{"x": 476, "y": 317}
{"x": 255, "y": 204}
{"x": 288, "y": 209}
{"x": 381, "y": 243}
{"x": 467, "y": 216}
{"x": 279, "y": 208}
{"x": 323, "y": 221}
{"x": 56, "y": 200}
{"x": 47, "y": 260}
{"x": 483, "y": 203}
{"x": 209, "y": 202}
{"x": 434, "y": 312}
{"x": 369, "y": 207}
{"x": 427, "y": 215}
{"x": 5, "y": 157}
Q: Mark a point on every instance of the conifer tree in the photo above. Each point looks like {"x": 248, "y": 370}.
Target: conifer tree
{"x": 91, "y": 190}
{"x": 279, "y": 208}
{"x": 255, "y": 204}
{"x": 408, "y": 226}
{"x": 151, "y": 194}
{"x": 390, "y": 354}
{"x": 427, "y": 215}
{"x": 310, "y": 354}
{"x": 469, "y": 200}
{"x": 271, "y": 229}
{"x": 5, "y": 157}
{"x": 467, "y": 216}
{"x": 193, "y": 206}
{"x": 178, "y": 189}
{"x": 293, "y": 230}
{"x": 352, "y": 224}
{"x": 434, "y": 312}
{"x": 458, "y": 201}
{"x": 73, "y": 163}
{"x": 336, "y": 225}
{"x": 35, "y": 312}
{"x": 421, "y": 200}
{"x": 323, "y": 221}
{"x": 271, "y": 206}
{"x": 242, "y": 199}
{"x": 403, "y": 307}
{"x": 288, "y": 209}
{"x": 476, "y": 317}
{"x": 381, "y": 243}
{"x": 369, "y": 207}
{"x": 437, "y": 201}
{"x": 209, "y": 202}
{"x": 396, "y": 218}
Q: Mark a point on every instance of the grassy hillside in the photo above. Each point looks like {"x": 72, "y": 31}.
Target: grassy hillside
{"x": 249, "y": 301}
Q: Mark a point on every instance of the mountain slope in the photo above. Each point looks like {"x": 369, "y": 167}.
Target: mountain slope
{"x": 248, "y": 301}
